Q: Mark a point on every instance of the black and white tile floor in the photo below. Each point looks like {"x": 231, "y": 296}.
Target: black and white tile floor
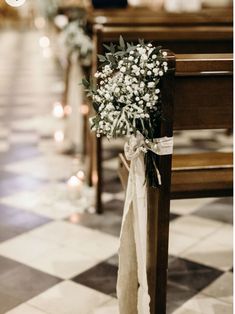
{"x": 54, "y": 259}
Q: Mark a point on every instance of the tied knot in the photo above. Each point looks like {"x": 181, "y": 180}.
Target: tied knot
{"x": 137, "y": 145}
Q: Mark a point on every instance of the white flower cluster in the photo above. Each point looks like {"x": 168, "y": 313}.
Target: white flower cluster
{"x": 128, "y": 93}
{"x": 74, "y": 38}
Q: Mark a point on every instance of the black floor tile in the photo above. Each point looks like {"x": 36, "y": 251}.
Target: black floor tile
{"x": 114, "y": 206}
{"x": 220, "y": 210}
{"x": 108, "y": 222}
{"x": 7, "y": 265}
{"x": 25, "y": 282}
{"x": 102, "y": 277}
{"x": 190, "y": 275}
{"x": 8, "y": 302}
{"x": 177, "y": 296}
{"x": 17, "y": 222}
{"x": 19, "y": 183}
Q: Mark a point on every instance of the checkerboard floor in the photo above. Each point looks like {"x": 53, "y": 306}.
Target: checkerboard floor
{"x": 56, "y": 258}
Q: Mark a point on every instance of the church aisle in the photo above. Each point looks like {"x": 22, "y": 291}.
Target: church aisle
{"x": 54, "y": 259}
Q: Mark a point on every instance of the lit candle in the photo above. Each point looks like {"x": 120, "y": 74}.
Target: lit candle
{"x": 74, "y": 187}
{"x": 44, "y": 42}
{"x": 81, "y": 175}
{"x": 59, "y": 137}
{"x": 58, "y": 110}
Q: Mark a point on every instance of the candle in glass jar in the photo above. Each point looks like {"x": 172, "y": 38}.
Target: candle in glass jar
{"x": 74, "y": 187}
{"x": 58, "y": 110}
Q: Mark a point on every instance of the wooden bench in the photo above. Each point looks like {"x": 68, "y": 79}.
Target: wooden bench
{"x": 202, "y": 99}
{"x": 152, "y": 17}
{"x": 196, "y": 38}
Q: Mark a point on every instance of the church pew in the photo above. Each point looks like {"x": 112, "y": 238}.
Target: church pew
{"x": 197, "y": 39}
{"x": 206, "y": 83}
{"x": 150, "y": 17}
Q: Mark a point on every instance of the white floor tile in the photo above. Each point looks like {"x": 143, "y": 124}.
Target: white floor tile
{"x": 195, "y": 226}
{"x": 63, "y": 262}
{"x": 110, "y": 307}
{"x": 210, "y": 253}
{"x": 207, "y": 305}
{"x": 84, "y": 240}
{"x": 222, "y": 288}
{"x": 51, "y": 167}
{"x": 26, "y": 309}
{"x": 178, "y": 243}
{"x": 188, "y": 206}
{"x": 69, "y": 298}
{"x": 25, "y": 248}
{"x": 53, "y": 201}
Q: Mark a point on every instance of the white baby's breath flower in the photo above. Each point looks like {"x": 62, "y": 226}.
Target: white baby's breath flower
{"x": 160, "y": 73}
{"x": 151, "y": 84}
{"x": 154, "y": 57}
{"x": 164, "y": 53}
{"x": 146, "y": 97}
{"x": 131, "y": 58}
{"x": 149, "y": 73}
{"x": 123, "y": 69}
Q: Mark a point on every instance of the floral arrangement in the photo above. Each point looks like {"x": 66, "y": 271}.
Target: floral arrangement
{"x": 74, "y": 38}
{"x": 127, "y": 98}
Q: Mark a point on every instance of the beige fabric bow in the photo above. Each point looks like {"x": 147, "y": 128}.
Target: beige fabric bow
{"x": 132, "y": 285}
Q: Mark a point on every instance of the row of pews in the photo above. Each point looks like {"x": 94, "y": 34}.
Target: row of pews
{"x": 197, "y": 94}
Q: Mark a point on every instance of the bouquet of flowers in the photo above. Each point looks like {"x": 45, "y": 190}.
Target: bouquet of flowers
{"x": 127, "y": 98}
{"x": 74, "y": 38}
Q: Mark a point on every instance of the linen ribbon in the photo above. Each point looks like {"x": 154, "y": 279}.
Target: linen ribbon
{"x": 132, "y": 285}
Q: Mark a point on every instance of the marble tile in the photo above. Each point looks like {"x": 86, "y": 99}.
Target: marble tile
{"x": 219, "y": 209}
{"x": 211, "y": 253}
{"x": 4, "y": 146}
{"x": 69, "y": 298}
{"x": 182, "y": 310}
{"x": 195, "y": 226}
{"x": 26, "y": 248}
{"x": 52, "y": 201}
{"x": 25, "y": 309}
{"x": 176, "y": 296}
{"x": 63, "y": 262}
{"x": 25, "y": 282}
{"x": 12, "y": 225}
{"x": 23, "y": 138}
{"x": 107, "y": 222}
{"x": 207, "y": 305}
{"x": 178, "y": 243}
{"x": 84, "y": 240}
{"x": 110, "y": 307}
{"x": 222, "y": 288}
{"x": 188, "y": 206}
{"x": 191, "y": 275}
{"x": 102, "y": 277}
{"x": 8, "y": 302}
{"x": 7, "y": 265}
{"x": 53, "y": 167}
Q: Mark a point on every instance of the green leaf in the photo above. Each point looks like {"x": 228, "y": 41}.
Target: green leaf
{"x": 101, "y": 58}
{"x": 85, "y": 83}
{"x": 107, "y": 47}
{"x": 122, "y": 43}
{"x": 112, "y": 48}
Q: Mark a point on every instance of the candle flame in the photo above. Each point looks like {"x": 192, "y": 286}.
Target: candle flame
{"x": 59, "y": 136}
{"x": 58, "y": 110}
{"x": 44, "y": 42}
